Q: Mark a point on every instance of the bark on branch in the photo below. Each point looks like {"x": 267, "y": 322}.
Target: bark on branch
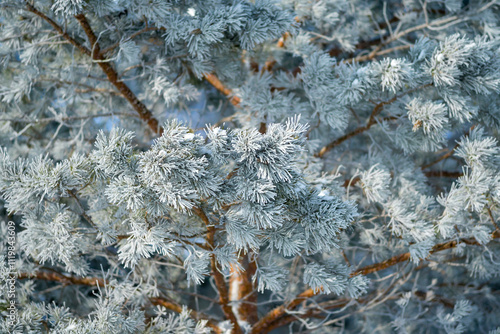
{"x": 270, "y": 319}
{"x": 107, "y": 68}
{"x": 55, "y": 276}
{"x": 214, "y": 81}
{"x": 278, "y": 312}
{"x": 243, "y": 291}
{"x": 99, "y": 56}
{"x": 178, "y": 309}
{"x": 371, "y": 121}
{"x": 58, "y": 277}
{"x": 217, "y": 275}
{"x": 406, "y": 256}
{"x": 110, "y": 72}
{"x": 58, "y": 28}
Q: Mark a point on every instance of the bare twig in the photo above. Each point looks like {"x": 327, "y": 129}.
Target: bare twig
{"x": 377, "y": 54}
{"x": 83, "y": 213}
{"x": 435, "y": 25}
{"x": 448, "y": 154}
{"x": 87, "y": 87}
{"x": 441, "y": 158}
{"x": 443, "y": 173}
{"x": 493, "y": 219}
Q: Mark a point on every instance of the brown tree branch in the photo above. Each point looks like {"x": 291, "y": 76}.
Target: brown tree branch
{"x": 287, "y": 319}
{"x": 83, "y": 213}
{"x": 86, "y": 88}
{"x": 493, "y": 221}
{"x": 339, "y": 303}
{"x": 406, "y": 256}
{"x": 110, "y": 72}
{"x": 443, "y": 173}
{"x": 371, "y": 121}
{"x": 178, "y": 309}
{"x": 134, "y": 35}
{"x": 371, "y": 56}
{"x": 242, "y": 290}
{"x": 216, "y": 274}
{"x": 58, "y": 28}
{"x": 98, "y": 55}
{"x": 449, "y": 153}
{"x": 277, "y": 313}
{"x": 438, "y": 173}
{"x": 214, "y": 81}
{"x": 104, "y": 64}
{"x": 55, "y": 276}
{"x": 342, "y": 139}
{"x": 441, "y": 158}
{"x": 393, "y": 38}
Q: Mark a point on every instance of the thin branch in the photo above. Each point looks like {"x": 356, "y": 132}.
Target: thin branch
{"x": 103, "y": 63}
{"x": 59, "y": 277}
{"x": 376, "y": 54}
{"x": 493, "y": 219}
{"x": 98, "y": 55}
{"x": 441, "y": 158}
{"x": 83, "y": 213}
{"x": 214, "y": 81}
{"x": 353, "y": 181}
{"x": 274, "y": 315}
{"x": 449, "y": 153}
{"x": 371, "y": 121}
{"x": 342, "y": 139}
{"x": 342, "y": 303}
{"x": 65, "y": 119}
{"x": 143, "y": 30}
{"x": 435, "y": 25}
{"x": 406, "y": 256}
{"x": 443, "y": 173}
{"x": 55, "y": 276}
{"x": 58, "y": 28}
{"x": 110, "y": 72}
{"x": 72, "y": 83}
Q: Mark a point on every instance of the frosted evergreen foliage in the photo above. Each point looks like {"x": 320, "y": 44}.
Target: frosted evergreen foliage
{"x": 247, "y": 167}
{"x": 375, "y": 183}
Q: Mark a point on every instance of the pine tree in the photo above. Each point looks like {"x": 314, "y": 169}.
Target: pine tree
{"x": 241, "y": 166}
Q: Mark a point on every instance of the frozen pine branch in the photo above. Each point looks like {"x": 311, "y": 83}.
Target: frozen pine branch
{"x": 249, "y": 166}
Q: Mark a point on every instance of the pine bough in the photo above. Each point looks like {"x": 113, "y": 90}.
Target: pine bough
{"x": 352, "y": 184}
